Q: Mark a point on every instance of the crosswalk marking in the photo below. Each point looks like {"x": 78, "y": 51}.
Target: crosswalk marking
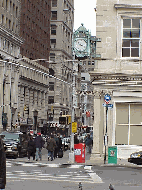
{"x": 33, "y": 164}
{"x": 89, "y": 177}
{"x": 38, "y": 175}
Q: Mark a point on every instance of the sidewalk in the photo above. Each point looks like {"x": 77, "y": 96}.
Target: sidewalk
{"x": 65, "y": 161}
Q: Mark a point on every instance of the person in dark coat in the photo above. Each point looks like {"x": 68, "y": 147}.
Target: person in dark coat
{"x": 57, "y": 145}
{"x": 51, "y": 144}
{"x": 88, "y": 143}
{"x": 39, "y": 144}
{"x": 2, "y": 166}
{"x": 60, "y": 143}
{"x": 76, "y": 141}
{"x": 31, "y": 148}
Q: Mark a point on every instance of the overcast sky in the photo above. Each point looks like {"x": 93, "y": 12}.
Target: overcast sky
{"x": 84, "y": 13}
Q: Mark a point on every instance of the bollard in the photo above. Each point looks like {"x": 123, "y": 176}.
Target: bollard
{"x": 80, "y": 186}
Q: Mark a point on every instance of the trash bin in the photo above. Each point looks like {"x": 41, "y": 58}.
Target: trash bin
{"x": 79, "y": 152}
{"x": 112, "y": 155}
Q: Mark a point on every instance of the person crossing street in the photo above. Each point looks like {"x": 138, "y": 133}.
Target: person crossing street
{"x": 39, "y": 144}
{"x": 31, "y": 148}
{"x": 51, "y": 144}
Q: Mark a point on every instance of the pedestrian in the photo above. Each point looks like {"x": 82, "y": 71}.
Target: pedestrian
{"x": 39, "y": 144}
{"x": 60, "y": 142}
{"x": 88, "y": 143}
{"x": 76, "y": 141}
{"x": 57, "y": 145}
{"x": 2, "y": 166}
{"x": 31, "y": 148}
{"x": 51, "y": 144}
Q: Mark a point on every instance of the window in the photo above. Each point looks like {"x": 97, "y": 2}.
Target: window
{"x": 89, "y": 62}
{"x": 53, "y": 29}
{"x": 6, "y": 4}
{"x": 54, "y": 3}
{"x": 2, "y": 3}
{"x": 51, "y": 86}
{"x": 50, "y": 99}
{"x": 2, "y": 19}
{"x": 51, "y": 72}
{"x": 16, "y": 11}
{"x": 84, "y": 62}
{"x": 128, "y": 120}
{"x": 53, "y": 15}
{"x": 13, "y": 7}
{"x": 53, "y": 43}
{"x": 52, "y": 56}
{"x": 10, "y": 24}
{"x": 82, "y": 78}
{"x": 131, "y": 37}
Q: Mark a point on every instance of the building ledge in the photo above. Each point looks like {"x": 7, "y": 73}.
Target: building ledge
{"x": 128, "y": 6}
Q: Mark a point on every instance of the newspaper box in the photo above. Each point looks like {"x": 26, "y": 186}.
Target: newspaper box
{"x": 79, "y": 152}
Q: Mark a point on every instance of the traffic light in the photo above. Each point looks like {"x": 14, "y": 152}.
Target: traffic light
{"x": 62, "y": 120}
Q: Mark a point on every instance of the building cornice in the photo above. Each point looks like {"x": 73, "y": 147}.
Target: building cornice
{"x": 11, "y": 36}
{"x": 116, "y": 79}
{"x": 128, "y": 6}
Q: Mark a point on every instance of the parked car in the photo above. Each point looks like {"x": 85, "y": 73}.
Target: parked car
{"x": 136, "y": 158}
{"x": 15, "y": 143}
{"x": 10, "y": 147}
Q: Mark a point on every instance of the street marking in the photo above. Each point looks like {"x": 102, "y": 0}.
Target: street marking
{"x": 93, "y": 175}
{"x": 95, "y": 178}
{"x": 87, "y": 167}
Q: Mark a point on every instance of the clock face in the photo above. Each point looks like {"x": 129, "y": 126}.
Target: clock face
{"x": 80, "y": 45}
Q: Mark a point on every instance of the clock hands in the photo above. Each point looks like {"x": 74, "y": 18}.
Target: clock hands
{"x": 80, "y": 44}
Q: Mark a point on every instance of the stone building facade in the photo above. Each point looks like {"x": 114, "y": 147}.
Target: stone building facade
{"x": 118, "y": 73}
{"x": 23, "y": 82}
{"x": 61, "y": 31}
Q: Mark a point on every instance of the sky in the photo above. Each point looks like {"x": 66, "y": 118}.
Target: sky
{"x": 85, "y": 13}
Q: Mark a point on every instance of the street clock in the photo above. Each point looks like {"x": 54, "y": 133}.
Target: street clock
{"x": 81, "y": 42}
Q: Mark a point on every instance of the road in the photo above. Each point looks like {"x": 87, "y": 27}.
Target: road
{"x": 36, "y": 175}
{"x": 24, "y": 175}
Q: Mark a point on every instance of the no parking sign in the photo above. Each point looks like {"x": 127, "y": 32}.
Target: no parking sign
{"x": 107, "y": 98}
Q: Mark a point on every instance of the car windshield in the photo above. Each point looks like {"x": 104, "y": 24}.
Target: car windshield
{"x": 11, "y": 136}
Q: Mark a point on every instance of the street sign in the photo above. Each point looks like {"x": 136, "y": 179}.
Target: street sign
{"x": 107, "y": 98}
{"x": 74, "y": 127}
{"x": 108, "y": 105}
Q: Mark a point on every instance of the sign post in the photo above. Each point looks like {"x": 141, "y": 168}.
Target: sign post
{"x": 107, "y": 99}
